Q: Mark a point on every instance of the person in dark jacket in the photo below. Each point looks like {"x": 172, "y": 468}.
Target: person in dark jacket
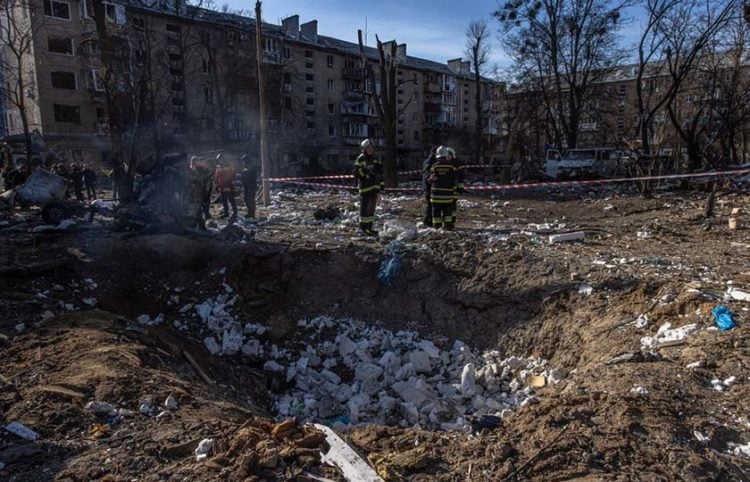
{"x": 249, "y": 180}
{"x": 368, "y": 171}
{"x": 426, "y": 167}
{"x": 76, "y": 181}
{"x": 89, "y": 181}
{"x": 443, "y": 185}
{"x": 224, "y": 178}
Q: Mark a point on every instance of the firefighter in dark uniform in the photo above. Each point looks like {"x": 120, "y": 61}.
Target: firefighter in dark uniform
{"x": 368, "y": 172}
{"x": 443, "y": 185}
{"x": 459, "y": 183}
{"x": 426, "y": 167}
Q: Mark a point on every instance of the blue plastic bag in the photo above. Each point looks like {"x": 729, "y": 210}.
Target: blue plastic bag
{"x": 389, "y": 269}
{"x": 724, "y": 318}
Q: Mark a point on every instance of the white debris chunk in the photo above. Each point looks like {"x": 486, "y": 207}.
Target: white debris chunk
{"x": 740, "y": 450}
{"x": 367, "y": 371}
{"x": 90, "y": 302}
{"x": 231, "y": 342}
{"x": 341, "y": 455}
{"x": 100, "y": 408}
{"x": 21, "y": 430}
{"x": 468, "y": 384}
{"x": 700, "y": 437}
{"x": 420, "y": 361}
{"x": 639, "y": 390}
{"x": 204, "y": 449}
{"x": 170, "y": 403}
{"x": 272, "y": 366}
{"x": 567, "y": 237}
{"x": 211, "y": 345}
{"x": 667, "y": 335}
{"x": 738, "y": 294}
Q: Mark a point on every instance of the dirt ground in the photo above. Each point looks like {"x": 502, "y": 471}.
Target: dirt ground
{"x": 677, "y": 411}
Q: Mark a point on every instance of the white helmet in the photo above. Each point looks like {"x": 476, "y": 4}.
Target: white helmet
{"x": 451, "y": 152}
{"x": 365, "y": 144}
{"x": 442, "y": 151}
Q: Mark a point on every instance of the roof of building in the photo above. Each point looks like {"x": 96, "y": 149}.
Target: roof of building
{"x": 330, "y": 43}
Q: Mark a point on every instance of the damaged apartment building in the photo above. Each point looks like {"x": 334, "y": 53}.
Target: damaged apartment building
{"x": 187, "y": 81}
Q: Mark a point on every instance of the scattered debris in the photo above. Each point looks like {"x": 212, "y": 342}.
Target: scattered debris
{"x": 21, "y": 430}
{"x": 724, "y": 318}
{"x": 567, "y": 237}
{"x": 341, "y": 455}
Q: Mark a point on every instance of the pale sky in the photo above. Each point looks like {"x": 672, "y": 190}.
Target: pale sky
{"x": 432, "y": 29}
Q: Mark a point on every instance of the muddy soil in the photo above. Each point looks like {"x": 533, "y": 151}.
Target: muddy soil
{"x": 494, "y": 283}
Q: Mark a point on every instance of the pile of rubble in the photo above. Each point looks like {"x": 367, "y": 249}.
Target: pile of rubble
{"x": 344, "y": 372}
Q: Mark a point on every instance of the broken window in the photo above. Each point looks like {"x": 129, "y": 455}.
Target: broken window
{"x": 53, "y": 8}
{"x": 60, "y": 45}
{"x": 67, "y": 113}
{"x": 63, "y": 80}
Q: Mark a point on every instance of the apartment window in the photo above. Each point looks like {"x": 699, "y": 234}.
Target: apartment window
{"x": 59, "y": 45}
{"x": 308, "y": 54}
{"x": 329, "y": 61}
{"x": 139, "y": 23}
{"x": 310, "y": 113}
{"x": 331, "y": 85}
{"x": 67, "y": 113}
{"x": 466, "y": 119}
{"x": 177, "y": 86}
{"x": 53, "y": 8}
{"x": 205, "y": 67}
{"x": 175, "y": 72}
{"x": 287, "y": 53}
{"x": 309, "y": 77}
{"x": 287, "y": 78}
{"x": 400, "y": 141}
{"x": 270, "y": 45}
{"x": 63, "y": 80}
{"x": 140, "y": 55}
{"x": 175, "y": 57}
{"x": 415, "y": 117}
{"x": 233, "y": 38}
{"x": 174, "y": 28}
{"x": 287, "y": 102}
{"x": 331, "y": 108}
{"x": 331, "y": 131}
{"x": 109, "y": 11}
{"x": 208, "y": 95}
{"x": 416, "y": 135}
{"x": 310, "y": 65}
{"x": 97, "y": 83}
{"x": 205, "y": 37}
{"x": 310, "y": 101}
{"x": 310, "y": 90}
{"x": 311, "y": 125}
{"x": 401, "y": 122}
{"x": 400, "y": 91}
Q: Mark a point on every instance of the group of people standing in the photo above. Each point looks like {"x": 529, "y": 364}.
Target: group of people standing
{"x": 78, "y": 179}
{"x": 442, "y": 181}
{"x": 223, "y": 180}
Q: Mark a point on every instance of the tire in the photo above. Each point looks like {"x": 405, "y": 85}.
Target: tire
{"x": 54, "y": 213}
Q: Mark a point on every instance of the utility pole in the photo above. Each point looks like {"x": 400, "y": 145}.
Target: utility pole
{"x": 265, "y": 169}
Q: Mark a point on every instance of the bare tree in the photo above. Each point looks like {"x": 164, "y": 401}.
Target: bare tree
{"x": 562, "y": 48}
{"x": 111, "y": 59}
{"x": 674, "y": 36}
{"x": 385, "y": 88}
{"x": 18, "y": 26}
{"x": 478, "y": 51}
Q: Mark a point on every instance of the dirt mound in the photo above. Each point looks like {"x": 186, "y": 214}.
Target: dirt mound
{"x": 51, "y": 375}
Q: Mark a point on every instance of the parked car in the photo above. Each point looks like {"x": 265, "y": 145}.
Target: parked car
{"x": 588, "y": 163}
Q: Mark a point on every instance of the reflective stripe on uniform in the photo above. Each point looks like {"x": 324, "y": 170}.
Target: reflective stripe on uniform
{"x": 368, "y": 189}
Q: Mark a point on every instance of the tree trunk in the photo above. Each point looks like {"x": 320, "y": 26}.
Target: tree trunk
{"x": 480, "y": 116}
{"x": 106, "y": 53}
{"x": 389, "y": 163}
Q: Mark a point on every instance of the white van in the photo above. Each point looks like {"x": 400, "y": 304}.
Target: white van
{"x": 582, "y": 163}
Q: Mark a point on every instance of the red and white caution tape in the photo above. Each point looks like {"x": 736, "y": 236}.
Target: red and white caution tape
{"x": 311, "y": 178}
{"x": 501, "y": 187}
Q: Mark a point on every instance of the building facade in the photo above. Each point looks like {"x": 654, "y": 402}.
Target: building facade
{"x": 186, "y": 79}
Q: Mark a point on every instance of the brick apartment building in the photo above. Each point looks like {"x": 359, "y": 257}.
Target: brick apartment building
{"x": 188, "y": 82}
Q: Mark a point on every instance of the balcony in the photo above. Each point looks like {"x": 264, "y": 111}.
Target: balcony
{"x": 353, "y": 73}
{"x": 432, "y": 107}
{"x": 490, "y": 131}
{"x": 354, "y": 95}
{"x": 432, "y": 88}
{"x": 102, "y": 128}
{"x": 271, "y": 57}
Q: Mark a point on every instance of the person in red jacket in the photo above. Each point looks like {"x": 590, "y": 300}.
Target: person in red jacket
{"x": 224, "y": 179}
